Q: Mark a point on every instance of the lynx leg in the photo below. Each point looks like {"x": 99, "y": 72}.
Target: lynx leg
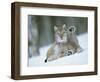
{"x": 62, "y": 54}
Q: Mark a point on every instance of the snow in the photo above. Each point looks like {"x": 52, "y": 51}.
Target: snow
{"x": 75, "y": 59}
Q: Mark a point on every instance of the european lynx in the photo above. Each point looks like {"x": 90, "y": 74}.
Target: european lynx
{"x": 66, "y": 43}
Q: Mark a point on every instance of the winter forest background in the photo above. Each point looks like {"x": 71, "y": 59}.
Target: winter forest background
{"x": 41, "y": 30}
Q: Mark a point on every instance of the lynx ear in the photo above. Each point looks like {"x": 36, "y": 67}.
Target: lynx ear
{"x": 55, "y": 28}
{"x": 72, "y": 29}
{"x": 64, "y": 26}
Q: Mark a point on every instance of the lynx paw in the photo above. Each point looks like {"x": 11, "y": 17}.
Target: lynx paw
{"x": 69, "y": 52}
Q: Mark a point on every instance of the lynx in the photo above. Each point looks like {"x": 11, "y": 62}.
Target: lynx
{"x": 66, "y": 43}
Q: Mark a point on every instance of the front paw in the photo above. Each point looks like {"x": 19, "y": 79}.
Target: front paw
{"x": 68, "y": 52}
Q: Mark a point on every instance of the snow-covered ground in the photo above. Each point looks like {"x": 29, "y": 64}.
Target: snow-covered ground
{"x": 75, "y": 59}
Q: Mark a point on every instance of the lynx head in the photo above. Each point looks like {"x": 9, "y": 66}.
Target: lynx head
{"x": 60, "y": 31}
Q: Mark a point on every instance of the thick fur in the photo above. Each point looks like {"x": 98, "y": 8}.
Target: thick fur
{"x": 66, "y": 43}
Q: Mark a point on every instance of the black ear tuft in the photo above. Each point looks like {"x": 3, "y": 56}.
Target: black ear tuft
{"x": 72, "y": 29}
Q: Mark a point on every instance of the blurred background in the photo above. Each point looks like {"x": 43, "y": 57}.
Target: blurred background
{"x": 41, "y": 31}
